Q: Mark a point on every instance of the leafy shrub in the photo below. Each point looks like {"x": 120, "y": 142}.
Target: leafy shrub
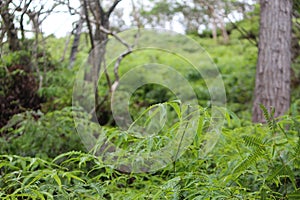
{"x": 57, "y": 89}
{"x": 18, "y": 93}
{"x": 42, "y": 135}
{"x": 16, "y": 58}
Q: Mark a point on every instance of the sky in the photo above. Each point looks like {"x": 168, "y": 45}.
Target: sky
{"x": 60, "y": 23}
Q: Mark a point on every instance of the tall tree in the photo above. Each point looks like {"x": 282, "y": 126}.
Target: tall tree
{"x": 9, "y": 26}
{"x": 272, "y": 86}
{"x": 77, "y": 33}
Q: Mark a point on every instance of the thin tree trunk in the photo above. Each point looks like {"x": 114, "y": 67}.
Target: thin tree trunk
{"x": 88, "y": 75}
{"x": 76, "y": 41}
{"x": 272, "y": 87}
{"x": 224, "y": 31}
{"x": 214, "y": 30}
{"x": 214, "y": 23}
{"x": 100, "y": 38}
{"x": 66, "y": 47}
{"x": 98, "y": 41}
{"x": 34, "y": 17}
{"x": 11, "y": 31}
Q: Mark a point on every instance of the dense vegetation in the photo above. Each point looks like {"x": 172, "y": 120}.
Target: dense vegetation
{"x": 42, "y": 155}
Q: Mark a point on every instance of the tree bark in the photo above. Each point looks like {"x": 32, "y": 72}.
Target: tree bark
{"x": 8, "y": 21}
{"x": 214, "y": 22}
{"x": 272, "y": 86}
{"x": 69, "y": 35}
{"x": 98, "y": 39}
{"x": 76, "y": 42}
{"x": 224, "y": 31}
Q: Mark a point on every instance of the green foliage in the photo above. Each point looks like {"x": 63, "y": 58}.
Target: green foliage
{"x": 18, "y": 92}
{"x": 34, "y": 178}
{"x": 249, "y": 162}
{"x": 16, "y": 58}
{"x": 238, "y": 74}
{"x": 57, "y": 89}
{"x": 42, "y": 157}
{"x": 43, "y": 135}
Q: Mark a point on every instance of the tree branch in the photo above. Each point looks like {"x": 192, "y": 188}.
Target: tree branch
{"x": 121, "y": 57}
{"x": 116, "y": 36}
{"x": 88, "y": 23}
{"x": 111, "y": 9}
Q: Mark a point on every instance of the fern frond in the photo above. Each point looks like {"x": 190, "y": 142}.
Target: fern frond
{"x": 253, "y": 141}
{"x": 297, "y": 126}
{"x": 276, "y": 172}
{"x": 296, "y": 153}
{"x": 269, "y": 117}
{"x": 265, "y": 113}
{"x": 280, "y": 171}
{"x": 289, "y": 172}
{"x": 294, "y": 195}
{"x": 249, "y": 161}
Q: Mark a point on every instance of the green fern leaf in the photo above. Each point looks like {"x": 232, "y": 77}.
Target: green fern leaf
{"x": 269, "y": 117}
{"x": 294, "y": 195}
{"x": 249, "y": 161}
{"x": 274, "y": 174}
{"x": 296, "y": 152}
{"x": 253, "y": 141}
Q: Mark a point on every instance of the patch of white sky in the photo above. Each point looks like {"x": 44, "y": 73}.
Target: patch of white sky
{"x": 60, "y": 22}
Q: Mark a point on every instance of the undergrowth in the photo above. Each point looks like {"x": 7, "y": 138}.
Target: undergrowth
{"x": 249, "y": 162}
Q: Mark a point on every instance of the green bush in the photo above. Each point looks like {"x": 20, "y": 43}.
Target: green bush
{"x": 42, "y": 135}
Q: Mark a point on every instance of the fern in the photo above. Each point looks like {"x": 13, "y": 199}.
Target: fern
{"x": 269, "y": 117}
{"x": 249, "y": 161}
{"x": 253, "y": 142}
{"x": 296, "y": 153}
{"x": 258, "y": 150}
{"x": 283, "y": 170}
{"x": 295, "y": 195}
{"x": 267, "y": 168}
{"x": 296, "y": 123}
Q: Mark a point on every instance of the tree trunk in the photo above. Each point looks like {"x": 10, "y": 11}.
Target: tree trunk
{"x": 69, "y": 35}
{"x": 76, "y": 42}
{"x": 272, "y": 86}
{"x": 224, "y": 31}
{"x": 214, "y": 23}
{"x": 100, "y": 39}
{"x": 214, "y": 30}
{"x": 11, "y": 31}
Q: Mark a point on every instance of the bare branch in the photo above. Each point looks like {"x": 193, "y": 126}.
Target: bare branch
{"x": 116, "y": 68}
{"x": 107, "y": 76}
{"x": 120, "y": 58}
{"x": 111, "y": 9}
{"x": 48, "y": 12}
{"x": 116, "y": 36}
{"x": 24, "y": 10}
{"x": 71, "y": 10}
{"x": 245, "y": 33}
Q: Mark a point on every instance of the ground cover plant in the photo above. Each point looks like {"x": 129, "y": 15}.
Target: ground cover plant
{"x": 249, "y": 162}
